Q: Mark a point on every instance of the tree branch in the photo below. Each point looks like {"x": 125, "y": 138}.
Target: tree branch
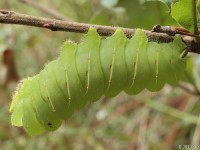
{"x": 10, "y": 17}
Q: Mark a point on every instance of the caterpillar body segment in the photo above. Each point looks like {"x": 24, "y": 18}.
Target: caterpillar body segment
{"x": 88, "y": 55}
{"x": 113, "y": 63}
{"x": 17, "y": 104}
{"x": 84, "y": 72}
{"x": 168, "y": 62}
{"x": 29, "y": 120}
{"x": 51, "y": 92}
{"x": 68, "y": 81}
{"x": 137, "y": 62}
{"x": 45, "y": 115}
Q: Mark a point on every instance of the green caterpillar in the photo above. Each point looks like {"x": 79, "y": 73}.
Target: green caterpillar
{"x": 95, "y": 67}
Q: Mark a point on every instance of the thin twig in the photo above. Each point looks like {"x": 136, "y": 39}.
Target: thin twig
{"x": 183, "y": 87}
{"x": 173, "y": 31}
{"x": 194, "y": 84}
{"x": 10, "y": 17}
{"x": 50, "y": 11}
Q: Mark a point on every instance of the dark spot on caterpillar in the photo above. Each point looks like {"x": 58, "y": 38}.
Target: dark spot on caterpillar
{"x": 86, "y": 72}
{"x": 50, "y": 124}
{"x": 110, "y": 66}
{"x": 170, "y": 61}
{"x": 134, "y": 63}
{"x": 66, "y": 84}
{"x": 155, "y": 62}
{"x": 48, "y": 98}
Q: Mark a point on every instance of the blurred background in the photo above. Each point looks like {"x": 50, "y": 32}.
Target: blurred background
{"x": 147, "y": 121}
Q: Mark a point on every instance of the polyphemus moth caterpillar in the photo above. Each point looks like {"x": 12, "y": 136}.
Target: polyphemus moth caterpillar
{"x": 95, "y": 67}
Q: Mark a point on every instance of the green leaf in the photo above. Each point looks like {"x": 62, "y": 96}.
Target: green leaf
{"x": 184, "y": 12}
{"x": 151, "y": 13}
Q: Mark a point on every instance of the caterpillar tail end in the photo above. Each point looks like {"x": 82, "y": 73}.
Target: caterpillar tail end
{"x": 14, "y": 99}
{"x": 21, "y": 110}
{"x": 16, "y": 107}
